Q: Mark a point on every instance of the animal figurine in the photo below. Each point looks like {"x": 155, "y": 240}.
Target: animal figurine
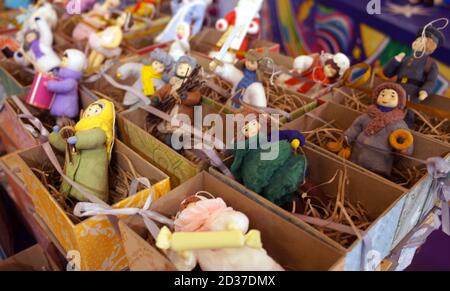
{"x": 370, "y": 133}
{"x": 181, "y": 94}
{"x": 244, "y": 10}
{"x": 180, "y": 46}
{"x": 276, "y": 178}
{"x": 246, "y": 79}
{"x": 37, "y": 48}
{"x": 325, "y": 69}
{"x": 209, "y": 221}
{"x": 106, "y": 43}
{"x": 87, "y": 149}
{"x": 417, "y": 73}
{"x": 66, "y": 100}
{"x": 192, "y": 12}
{"x": 94, "y": 20}
{"x": 149, "y": 78}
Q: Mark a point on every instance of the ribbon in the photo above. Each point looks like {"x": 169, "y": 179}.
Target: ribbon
{"x": 99, "y": 207}
{"x": 30, "y": 117}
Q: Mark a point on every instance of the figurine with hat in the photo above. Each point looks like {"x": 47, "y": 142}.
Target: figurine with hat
{"x": 417, "y": 73}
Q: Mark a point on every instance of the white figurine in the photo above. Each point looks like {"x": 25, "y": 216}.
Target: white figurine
{"x": 37, "y": 48}
{"x": 181, "y": 47}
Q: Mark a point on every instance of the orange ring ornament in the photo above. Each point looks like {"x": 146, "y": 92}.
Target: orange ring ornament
{"x": 401, "y": 139}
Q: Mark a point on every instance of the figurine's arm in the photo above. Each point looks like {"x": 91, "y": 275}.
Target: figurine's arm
{"x": 90, "y": 139}
{"x": 229, "y": 73}
{"x": 355, "y": 130}
{"x": 116, "y": 41}
{"x": 134, "y": 69}
{"x": 430, "y": 79}
{"x": 57, "y": 141}
{"x": 402, "y": 125}
{"x": 63, "y": 86}
{"x": 391, "y": 68}
{"x": 45, "y": 33}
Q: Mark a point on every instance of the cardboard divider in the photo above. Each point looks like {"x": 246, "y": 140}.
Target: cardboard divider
{"x": 14, "y": 78}
{"x": 290, "y": 246}
{"x": 343, "y": 118}
{"x": 93, "y": 239}
{"x": 382, "y": 201}
{"x": 132, "y": 130}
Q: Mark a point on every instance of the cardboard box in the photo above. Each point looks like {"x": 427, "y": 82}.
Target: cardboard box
{"x": 291, "y": 247}
{"x": 205, "y": 42}
{"x": 94, "y": 238}
{"x": 380, "y": 200}
{"x": 132, "y": 131}
{"x": 142, "y": 41}
{"x": 304, "y": 103}
{"x": 15, "y": 79}
{"x": 418, "y": 200}
{"x": 13, "y": 132}
{"x": 31, "y": 259}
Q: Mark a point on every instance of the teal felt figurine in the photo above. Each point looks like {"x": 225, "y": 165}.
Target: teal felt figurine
{"x": 87, "y": 149}
{"x": 278, "y": 178}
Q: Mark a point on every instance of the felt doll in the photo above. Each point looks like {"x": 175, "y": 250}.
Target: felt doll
{"x": 275, "y": 179}
{"x": 43, "y": 11}
{"x": 246, "y": 79}
{"x": 417, "y": 73}
{"x": 238, "y": 16}
{"x": 181, "y": 94}
{"x": 87, "y": 150}
{"x": 180, "y": 47}
{"x": 325, "y": 69}
{"x": 94, "y": 20}
{"x": 149, "y": 78}
{"x": 192, "y": 12}
{"x": 371, "y": 132}
{"x": 36, "y": 48}
{"x": 199, "y": 216}
{"x": 66, "y": 101}
{"x": 106, "y": 43}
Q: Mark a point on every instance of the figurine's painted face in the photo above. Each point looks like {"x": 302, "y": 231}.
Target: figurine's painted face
{"x": 424, "y": 44}
{"x": 329, "y": 71}
{"x": 31, "y": 36}
{"x": 388, "y": 98}
{"x": 251, "y": 129}
{"x": 184, "y": 70}
{"x": 181, "y": 31}
{"x": 94, "y": 109}
{"x": 158, "y": 67}
{"x": 251, "y": 65}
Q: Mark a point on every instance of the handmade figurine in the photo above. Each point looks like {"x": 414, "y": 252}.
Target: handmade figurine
{"x": 181, "y": 47}
{"x": 191, "y": 12}
{"x": 275, "y": 179}
{"x": 181, "y": 94}
{"x": 87, "y": 148}
{"x": 145, "y": 8}
{"x": 149, "y": 78}
{"x": 325, "y": 69}
{"x": 417, "y": 73}
{"x": 214, "y": 236}
{"x": 376, "y": 135}
{"x": 246, "y": 79}
{"x": 244, "y": 10}
{"x": 37, "y": 48}
{"x": 106, "y": 44}
{"x": 44, "y": 11}
{"x": 66, "y": 100}
{"x": 95, "y": 20}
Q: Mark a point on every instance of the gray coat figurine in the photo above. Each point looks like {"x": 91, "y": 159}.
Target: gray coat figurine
{"x": 370, "y": 132}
